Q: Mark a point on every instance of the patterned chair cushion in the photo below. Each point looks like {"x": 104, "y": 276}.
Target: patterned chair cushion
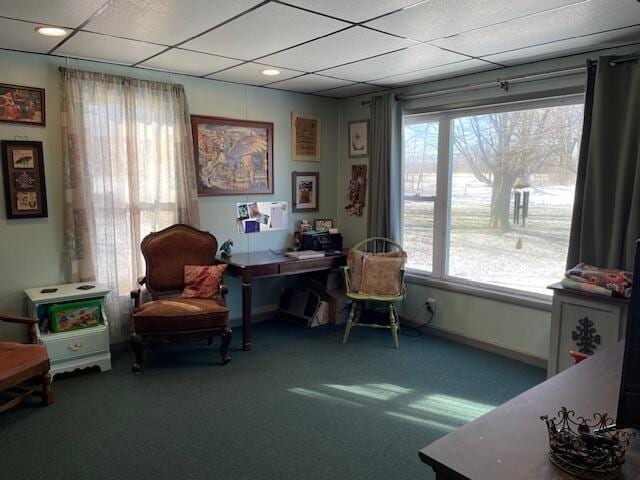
{"x": 355, "y": 260}
{"x": 381, "y": 275}
{"x": 202, "y": 281}
{"x": 180, "y": 314}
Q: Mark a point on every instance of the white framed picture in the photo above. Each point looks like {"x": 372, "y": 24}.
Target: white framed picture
{"x": 359, "y": 139}
{"x": 305, "y": 191}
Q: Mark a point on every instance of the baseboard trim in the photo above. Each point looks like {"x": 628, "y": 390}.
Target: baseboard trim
{"x": 484, "y": 345}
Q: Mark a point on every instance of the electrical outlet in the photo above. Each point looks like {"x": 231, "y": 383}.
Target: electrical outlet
{"x": 431, "y": 304}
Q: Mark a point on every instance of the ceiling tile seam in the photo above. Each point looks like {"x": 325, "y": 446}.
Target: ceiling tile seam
{"x": 308, "y": 10}
{"x": 101, "y": 9}
{"x": 481, "y": 57}
{"x": 462, "y": 32}
{"x": 372, "y": 81}
{"x": 393, "y": 12}
{"x": 470, "y": 57}
{"x": 301, "y": 72}
{"x": 357, "y": 83}
{"x": 285, "y": 80}
{"x": 221, "y": 24}
{"x": 362, "y": 59}
{"x": 35, "y": 23}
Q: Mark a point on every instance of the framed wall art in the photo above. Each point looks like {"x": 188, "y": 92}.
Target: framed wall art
{"x": 359, "y": 139}
{"x": 305, "y": 137}
{"x": 321, "y": 224}
{"x": 305, "y": 191}
{"x": 22, "y": 105}
{"x": 232, "y": 157}
{"x": 24, "y": 185}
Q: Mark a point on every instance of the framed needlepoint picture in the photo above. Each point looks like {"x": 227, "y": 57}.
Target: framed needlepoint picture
{"x": 24, "y": 185}
{"x": 305, "y": 191}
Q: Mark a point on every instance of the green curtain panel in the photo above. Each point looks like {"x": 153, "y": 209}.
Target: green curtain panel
{"x": 606, "y": 216}
{"x": 385, "y": 169}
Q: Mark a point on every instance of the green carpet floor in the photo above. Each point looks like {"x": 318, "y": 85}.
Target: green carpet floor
{"x": 300, "y": 405}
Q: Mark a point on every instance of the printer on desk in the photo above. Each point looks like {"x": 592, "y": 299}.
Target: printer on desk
{"x": 321, "y": 241}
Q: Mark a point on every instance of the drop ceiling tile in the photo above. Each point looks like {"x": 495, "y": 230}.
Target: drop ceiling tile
{"x": 407, "y": 60}
{"x": 582, "y": 19}
{"x": 587, "y": 43}
{"x": 265, "y": 30}
{"x": 16, "y": 35}
{"x": 353, "y": 10}
{"x": 430, "y": 74}
{"x": 107, "y": 49}
{"x": 191, "y": 63}
{"x": 165, "y": 21}
{"x": 251, "y": 74}
{"x": 347, "y": 46}
{"x": 67, "y": 13}
{"x": 309, "y": 83}
{"x": 351, "y": 90}
{"x": 441, "y": 18}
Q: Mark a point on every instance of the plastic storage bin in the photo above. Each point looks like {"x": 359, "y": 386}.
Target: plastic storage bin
{"x": 64, "y": 317}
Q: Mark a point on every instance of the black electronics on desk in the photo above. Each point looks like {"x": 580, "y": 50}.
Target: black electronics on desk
{"x": 321, "y": 241}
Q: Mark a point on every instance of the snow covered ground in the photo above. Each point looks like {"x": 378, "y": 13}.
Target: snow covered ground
{"x": 527, "y": 258}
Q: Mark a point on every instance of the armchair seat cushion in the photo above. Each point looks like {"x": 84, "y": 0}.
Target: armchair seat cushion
{"x": 20, "y": 362}
{"x": 180, "y": 314}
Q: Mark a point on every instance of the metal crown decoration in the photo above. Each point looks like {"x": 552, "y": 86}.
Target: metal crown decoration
{"x": 588, "y": 449}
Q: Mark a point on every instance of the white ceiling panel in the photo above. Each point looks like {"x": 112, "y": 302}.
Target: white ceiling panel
{"x": 309, "y": 83}
{"x": 567, "y": 47}
{"x": 251, "y": 74}
{"x": 107, "y": 49}
{"x": 441, "y": 18}
{"x": 436, "y": 73}
{"x": 191, "y": 63}
{"x": 582, "y": 19}
{"x": 407, "y": 60}
{"x": 67, "y": 13}
{"x": 165, "y": 21}
{"x": 351, "y": 90}
{"x": 267, "y": 29}
{"x": 353, "y": 10}
{"x": 16, "y": 35}
{"x": 343, "y": 47}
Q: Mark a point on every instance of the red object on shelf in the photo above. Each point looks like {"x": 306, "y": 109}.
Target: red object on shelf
{"x": 577, "y": 356}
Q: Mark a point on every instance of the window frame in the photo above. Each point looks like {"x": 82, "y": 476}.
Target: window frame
{"x": 439, "y": 276}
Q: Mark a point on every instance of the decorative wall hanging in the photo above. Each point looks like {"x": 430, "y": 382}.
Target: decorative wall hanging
{"x": 305, "y": 191}
{"x": 22, "y": 105}
{"x": 305, "y": 137}
{"x": 320, "y": 224}
{"x": 357, "y": 190}
{"x": 24, "y": 185}
{"x": 359, "y": 139}
{"x": 232, "y": 157}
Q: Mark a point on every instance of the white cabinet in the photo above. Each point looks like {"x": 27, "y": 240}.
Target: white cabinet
{"x": 74, "y": 349}
{"x": 583, "y": 322}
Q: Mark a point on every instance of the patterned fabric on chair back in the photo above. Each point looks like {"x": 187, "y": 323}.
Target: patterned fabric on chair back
{"x": 167, "y": 252}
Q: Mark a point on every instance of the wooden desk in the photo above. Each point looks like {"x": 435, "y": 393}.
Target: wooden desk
{"x": 249, "y": 266}
{"x": 511, "y": 442}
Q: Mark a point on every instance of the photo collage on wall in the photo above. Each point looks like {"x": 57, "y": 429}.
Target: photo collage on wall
{"x": 254, "y": 217}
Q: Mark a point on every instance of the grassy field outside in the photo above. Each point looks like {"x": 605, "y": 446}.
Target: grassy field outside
{"x": 528, "y": 257}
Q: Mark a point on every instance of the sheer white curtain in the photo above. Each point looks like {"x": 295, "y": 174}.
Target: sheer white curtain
{"x": 128, "y": 171}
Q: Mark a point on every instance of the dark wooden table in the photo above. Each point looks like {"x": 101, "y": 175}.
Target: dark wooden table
{"x": 511, "y": 442}
{"x": 250, "y": 266}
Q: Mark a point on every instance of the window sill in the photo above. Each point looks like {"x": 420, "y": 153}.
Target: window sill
{"x": 522, "y": 299}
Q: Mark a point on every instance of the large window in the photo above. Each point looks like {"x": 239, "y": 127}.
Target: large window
{"x": 488, "y": 194}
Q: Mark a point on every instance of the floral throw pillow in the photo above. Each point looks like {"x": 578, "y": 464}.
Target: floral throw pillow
{"x": 202, "y": 281}
{"x": 355, "y": 260}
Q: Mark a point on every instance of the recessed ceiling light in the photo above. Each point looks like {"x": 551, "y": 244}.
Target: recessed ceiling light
{"x": 271, "y": 72}
{"x": 52, "y": 31}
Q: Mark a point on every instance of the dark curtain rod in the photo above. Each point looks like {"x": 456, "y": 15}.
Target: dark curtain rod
{"x": 505, "y": 82}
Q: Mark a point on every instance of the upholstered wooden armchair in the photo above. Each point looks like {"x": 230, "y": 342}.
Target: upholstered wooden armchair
{"x": 21, "y": 363}
{"x": 168, "y": 318}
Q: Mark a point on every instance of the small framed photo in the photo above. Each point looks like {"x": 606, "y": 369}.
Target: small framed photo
{"x": 22, "y": 105}
{"x": 322, "y": 224}
{"x": 24, "y": 185}
{"x": 359, "y": 139}
{"x": 305, "y": 137}
{"x": 305, "y": 191}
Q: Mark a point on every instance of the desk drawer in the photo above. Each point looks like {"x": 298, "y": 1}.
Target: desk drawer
{"x": 77, "y": 343}
{"x": 309, "y": 265}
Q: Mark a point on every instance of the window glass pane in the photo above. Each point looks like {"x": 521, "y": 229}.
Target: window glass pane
{"x": 513, "y": 181}
{"x": 420, "y": 167}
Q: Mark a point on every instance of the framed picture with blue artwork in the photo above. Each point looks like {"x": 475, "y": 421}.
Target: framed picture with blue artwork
{"x": 232, "y": 157}
{"x": 24, "y": 185}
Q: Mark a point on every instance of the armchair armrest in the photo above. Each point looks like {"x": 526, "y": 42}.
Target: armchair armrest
{"x": 222, "y": 293}
{"x": 135, "y": 294}
{"x": 14, "y": 319}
